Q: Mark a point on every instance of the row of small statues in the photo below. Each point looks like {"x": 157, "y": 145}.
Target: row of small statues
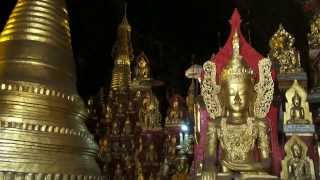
{"x": 148, "y": 112}
{"x": 127, "y": 157}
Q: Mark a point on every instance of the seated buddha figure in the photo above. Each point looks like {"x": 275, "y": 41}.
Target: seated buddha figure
{"x": 175, "y": 112}
{"x": 297, "y": 108}
{"x": 296, "y": 111}
{"x": 142, "y": 69}
{"x": 296, "y": 165}
{"x": 241, "y": 137}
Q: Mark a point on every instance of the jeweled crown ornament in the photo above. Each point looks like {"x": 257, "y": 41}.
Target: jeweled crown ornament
{"x": 236, "y": 69}
{"x": 43, "y": 134}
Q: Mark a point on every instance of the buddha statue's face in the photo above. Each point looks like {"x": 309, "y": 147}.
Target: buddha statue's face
{"x": 142, "y": 63}
{"x": 237, "y": 96}
{"x": 296, "y": 151}
{"x": 138, "y": 94}
{"x": 175, "y": 104}
{"x": 296, "y": 101}
{"x": 103, "y": 143}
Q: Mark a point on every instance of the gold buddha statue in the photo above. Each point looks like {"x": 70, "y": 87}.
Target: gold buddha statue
{"x": 181, "y": 169}
{"x": 139, "y": 171}
{"x": 297, "y": 107}
{"x": 142, "y": 69}
{"x": 314, "y": 35}
{"x": 127, "y": 128}
{"x": 115, "y": 130}
{"x": 237, "y": 108}
{"x": 175, "y": 112}
{"x": 104, "y": 154}
{"x": 283, "y": 52}
{"x": 106, "y": 114}
{"x": 149, "y": 114}
{"x": 171, "y": 154}
{"x": 118, "y": 173}
{"x": 120, "y": 110}
{"x": 151, "y": 155}
{"x": 297, "y": 165}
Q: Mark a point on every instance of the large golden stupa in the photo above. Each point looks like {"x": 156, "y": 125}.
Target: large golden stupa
{"x": 43, "y": 135}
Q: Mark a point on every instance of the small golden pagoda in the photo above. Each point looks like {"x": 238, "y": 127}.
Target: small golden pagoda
{"x": 123, "y": 55}
{"x": 43, "y": 135}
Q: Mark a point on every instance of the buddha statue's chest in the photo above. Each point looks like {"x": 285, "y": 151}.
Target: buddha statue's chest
{"x": 297, "y": 113}
{"x": 237, "y": 141}
{"x": 297, "y": 167}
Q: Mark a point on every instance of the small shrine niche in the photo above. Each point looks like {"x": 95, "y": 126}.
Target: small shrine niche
{"x": 296, "y": 164}
{"x": 297, "y": 116}
{"x": 297, "y": 107}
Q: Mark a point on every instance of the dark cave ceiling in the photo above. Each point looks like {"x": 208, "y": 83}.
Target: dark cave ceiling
{"x": 169, "y": 32}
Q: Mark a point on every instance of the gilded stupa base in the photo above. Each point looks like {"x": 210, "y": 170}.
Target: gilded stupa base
{"x": 229, "y": 176}
{"x": 44, "y": 176}
{"x": 42, "y": 118}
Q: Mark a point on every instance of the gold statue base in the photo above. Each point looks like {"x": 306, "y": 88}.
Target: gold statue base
{"x": 224, "y": 176}
{"x": 229, "y": 176}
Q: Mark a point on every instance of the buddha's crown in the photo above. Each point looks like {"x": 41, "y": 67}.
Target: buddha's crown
{"x": 236, "y": 69}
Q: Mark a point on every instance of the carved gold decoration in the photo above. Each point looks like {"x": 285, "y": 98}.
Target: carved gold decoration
{"x": 264, "y": 89}
{"x": 297, "y": 107}
{"x": 210, "y": 90}
{"x": 43, "y": 135}
{"x": 238, "y": 128}
{"x": 296, "y": 164}
{"x": 314, "y": 35}
{"x": 283, "y": 52}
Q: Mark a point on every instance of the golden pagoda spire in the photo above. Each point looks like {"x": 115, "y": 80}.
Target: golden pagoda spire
{"x": 123, "y": 55}
{"x": 43, "y": 134}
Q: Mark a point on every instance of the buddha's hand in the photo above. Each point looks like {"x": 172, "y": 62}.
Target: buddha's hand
{"x": 254, "y": 166}
{"x": 208, "y": 174}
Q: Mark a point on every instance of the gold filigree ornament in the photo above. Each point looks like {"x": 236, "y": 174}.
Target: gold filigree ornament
{"x": 210, "y": 90}
{"x": 264, "y": 89}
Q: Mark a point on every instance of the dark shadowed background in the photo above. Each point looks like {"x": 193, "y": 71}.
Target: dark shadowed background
{"x": 169, "y": 32}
